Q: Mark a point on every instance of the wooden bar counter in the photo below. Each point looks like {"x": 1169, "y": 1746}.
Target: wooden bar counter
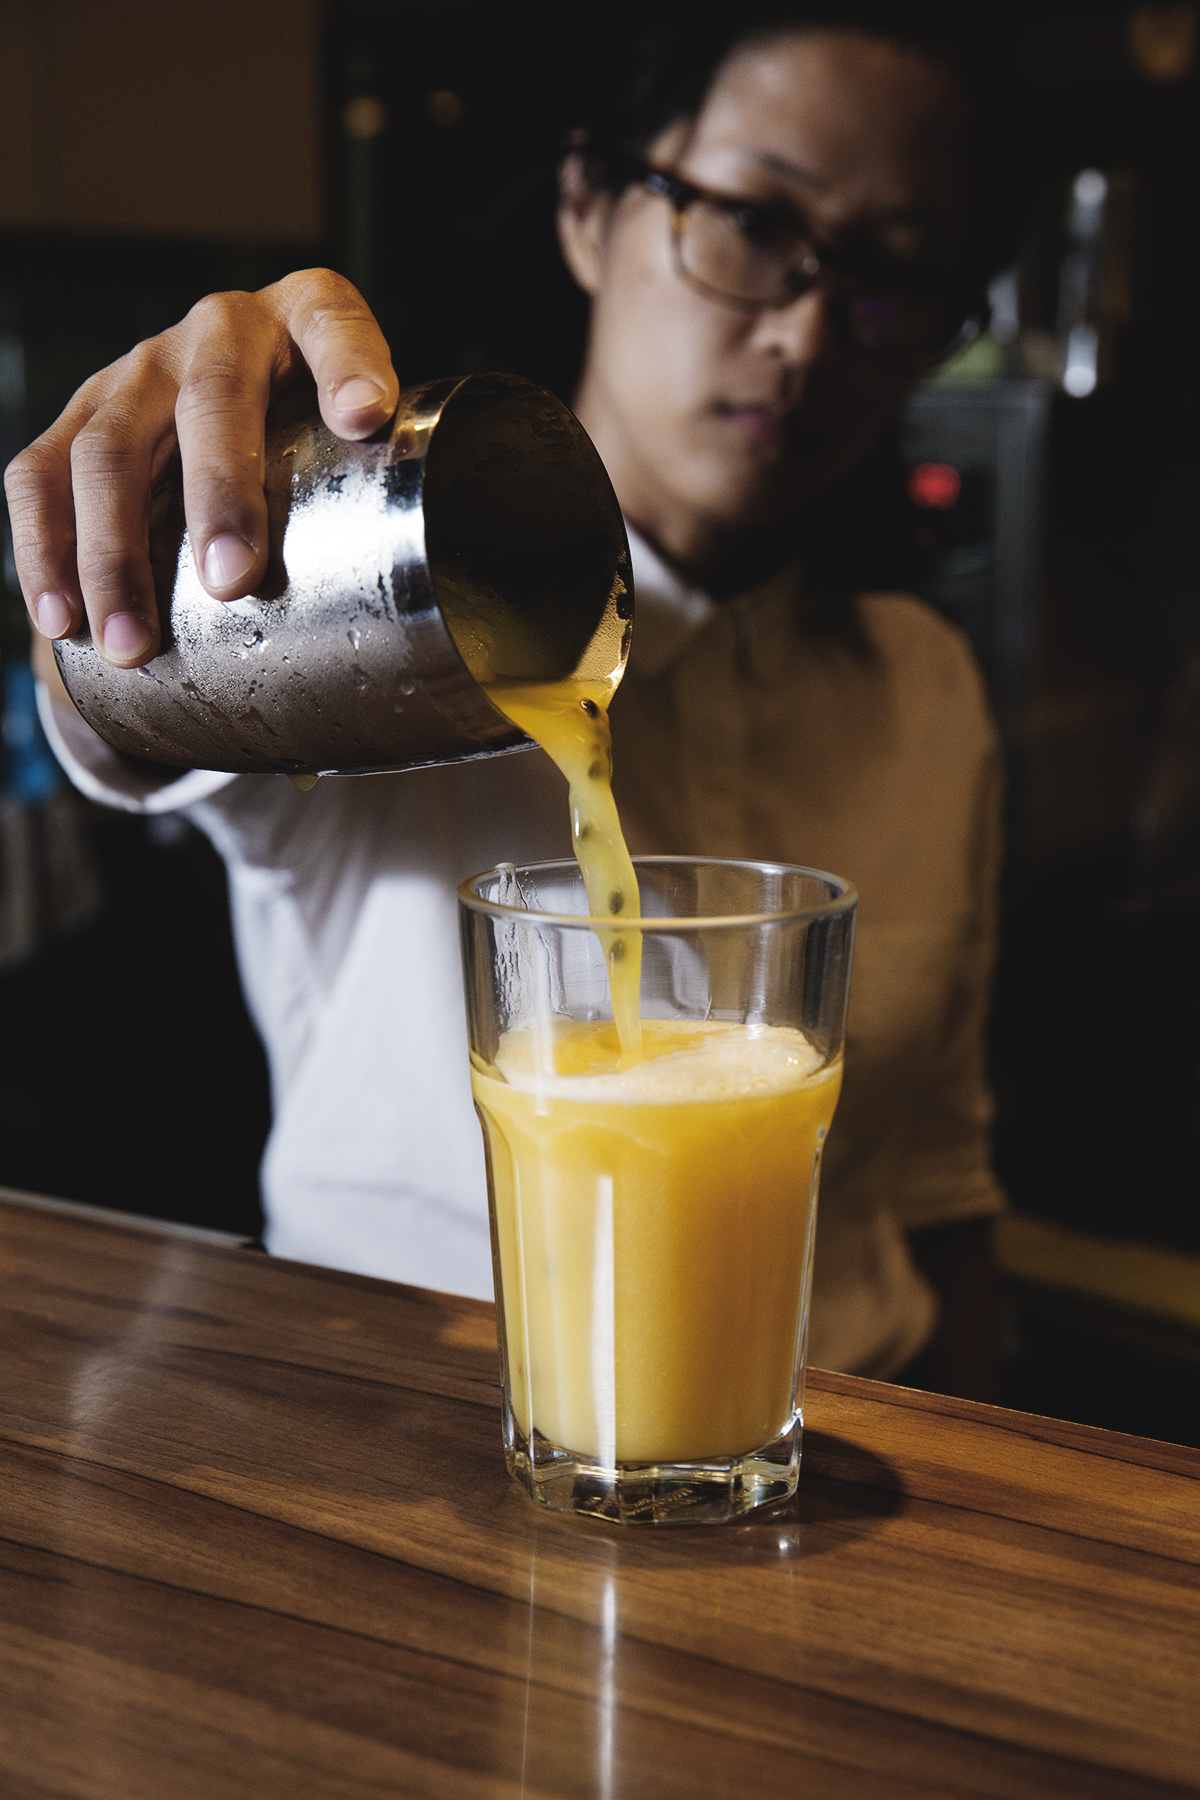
{"x": 256, "y": 1539}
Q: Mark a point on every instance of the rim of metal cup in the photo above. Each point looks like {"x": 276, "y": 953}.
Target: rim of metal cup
{"x": 842, "y": 902}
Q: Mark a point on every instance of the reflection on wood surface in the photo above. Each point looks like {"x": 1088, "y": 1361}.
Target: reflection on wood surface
{"x": 259, "y": 1540}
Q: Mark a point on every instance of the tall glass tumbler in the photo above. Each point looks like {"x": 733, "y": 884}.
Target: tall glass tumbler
{"x": 653, "y": 1214}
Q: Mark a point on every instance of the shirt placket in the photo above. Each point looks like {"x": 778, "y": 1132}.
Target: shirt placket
{"x": 716, "y": 737}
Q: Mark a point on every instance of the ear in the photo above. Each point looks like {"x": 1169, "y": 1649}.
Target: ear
{"x": 583, "y": 215}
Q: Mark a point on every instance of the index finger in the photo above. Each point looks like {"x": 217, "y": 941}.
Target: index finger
{"x": 246, "y": 349}
{"x": 336, "y": 334}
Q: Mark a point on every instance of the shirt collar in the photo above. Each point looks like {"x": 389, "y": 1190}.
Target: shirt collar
{"x": 669, "y": 614}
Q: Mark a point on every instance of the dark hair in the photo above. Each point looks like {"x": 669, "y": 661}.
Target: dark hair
{"x": 675, "y": 64}
{"x": 537, "y": 318}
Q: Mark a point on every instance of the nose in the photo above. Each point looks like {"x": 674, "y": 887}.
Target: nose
{"x": 800, "y": 333}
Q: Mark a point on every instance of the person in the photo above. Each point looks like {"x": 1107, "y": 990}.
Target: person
{"x": 779, "y": 223}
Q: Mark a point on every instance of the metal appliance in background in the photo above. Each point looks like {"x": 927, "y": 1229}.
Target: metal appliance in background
{"x": 975, "y": 459}
{"x": 481, "y": 527}
{"x": 1095, "y": 284}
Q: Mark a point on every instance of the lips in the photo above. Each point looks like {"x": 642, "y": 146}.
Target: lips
{"x": 770, "y": 425}
{"x": 758, "y": 424}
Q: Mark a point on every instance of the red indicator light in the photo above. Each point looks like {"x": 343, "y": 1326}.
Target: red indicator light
{"x": 935, "y": 486}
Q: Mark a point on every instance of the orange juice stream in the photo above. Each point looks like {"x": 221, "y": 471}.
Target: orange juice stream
{"x": 569, "y": 719}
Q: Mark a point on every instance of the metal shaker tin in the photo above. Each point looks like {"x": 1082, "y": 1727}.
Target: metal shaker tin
{"x": 346, "y": 661}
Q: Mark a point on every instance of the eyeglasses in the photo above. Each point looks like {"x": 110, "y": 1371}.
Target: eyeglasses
{"x": 759, "y": 257}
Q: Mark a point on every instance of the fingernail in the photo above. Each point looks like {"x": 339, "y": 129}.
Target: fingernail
{"x": 126, "y": 637}
{"x": 55, "y": 615}
{"x": 227, "y": 559}
{"x": 357, "y": 394}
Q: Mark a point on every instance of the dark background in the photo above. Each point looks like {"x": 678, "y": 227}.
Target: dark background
{"x": 382, "y": 138}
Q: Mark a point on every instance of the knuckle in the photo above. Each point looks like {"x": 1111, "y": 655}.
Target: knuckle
{"x": 29, "y": 473}
{"x": 39, "y": 549}
{"x": 219, "y": 390}
{"x": 328, "y": 319}
{"x": 326, "y": 305}
{"x": 227, "y": 495}
{"x": 108, "y": 446}
{"x": 231, "y": 351}
{"x": 308, "y": 287}
{"x": 109, "y": 568}
{"x": 221, "y": 475}
{"x": 130, "y": 376}
{"x": 222, "y": 313}
{"x": 147, "y": 361}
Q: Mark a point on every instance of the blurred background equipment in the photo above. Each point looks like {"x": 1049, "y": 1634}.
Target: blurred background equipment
{"x": 1162, "y": 41}
{"x": 1043, "y": 492}
{"x": 1094, "y": 280}
{"x": 48, "y": 880}
{"x": 975, "y": 456}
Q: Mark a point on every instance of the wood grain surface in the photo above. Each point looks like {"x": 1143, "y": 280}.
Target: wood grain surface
{"x": 256, "y": 1539}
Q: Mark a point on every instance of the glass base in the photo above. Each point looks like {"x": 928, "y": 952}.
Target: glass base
{"x": 708, "y": 1492}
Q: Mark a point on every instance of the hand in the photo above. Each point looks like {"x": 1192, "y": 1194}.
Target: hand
{"x": 79, "y": 497}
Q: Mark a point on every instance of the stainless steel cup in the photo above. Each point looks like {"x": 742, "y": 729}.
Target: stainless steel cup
{"x": 480, "y": 538}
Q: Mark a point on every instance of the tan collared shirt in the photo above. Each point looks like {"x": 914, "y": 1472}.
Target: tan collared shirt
{"x": 736, "y": 734}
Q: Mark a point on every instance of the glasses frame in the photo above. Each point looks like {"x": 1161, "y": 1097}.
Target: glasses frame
{"x": 815, "y": 261}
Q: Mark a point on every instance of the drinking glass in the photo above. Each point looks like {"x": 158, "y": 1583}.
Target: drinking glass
{"x": 653, "y": 1213}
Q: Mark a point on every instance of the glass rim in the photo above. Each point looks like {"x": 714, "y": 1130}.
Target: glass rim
{"x": 841, "y": 902}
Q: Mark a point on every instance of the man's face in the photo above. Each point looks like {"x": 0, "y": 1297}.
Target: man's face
{"x": 735, "y": 416}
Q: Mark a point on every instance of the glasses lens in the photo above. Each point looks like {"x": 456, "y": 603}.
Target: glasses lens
{"x": 718, "y": 252}
{"x": 896, "y": 321}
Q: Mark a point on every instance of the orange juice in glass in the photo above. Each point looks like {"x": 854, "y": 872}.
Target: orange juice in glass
{"x": 653, "y": 1211}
